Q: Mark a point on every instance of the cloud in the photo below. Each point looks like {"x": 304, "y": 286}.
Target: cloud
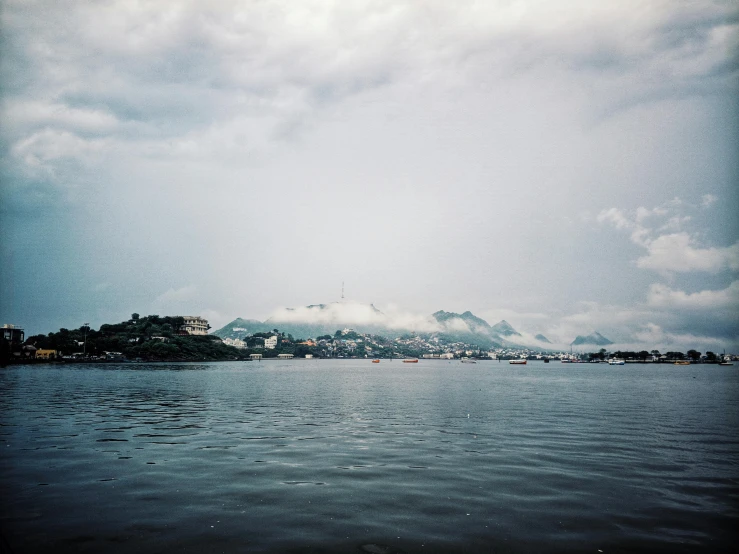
{"x": 355, "y": 313}
{"x": 677, "y": 251}
{"x": 708, "y": 200}
{"x": 163, "y": 71}
{"x": 654, "y": 336}
{"x": 664, "y": 297}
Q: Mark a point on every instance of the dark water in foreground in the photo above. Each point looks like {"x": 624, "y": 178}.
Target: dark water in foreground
{"x": 346, "y": 456}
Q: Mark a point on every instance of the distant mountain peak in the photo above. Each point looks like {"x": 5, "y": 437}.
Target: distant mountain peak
{"x": 505, "y": 329}
{"x": 593, "y": 338}
{"x": 468, "y": 317}
{"x": 542, "y": 338}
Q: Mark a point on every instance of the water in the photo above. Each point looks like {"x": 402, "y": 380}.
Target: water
{"x": 347, "y": 456}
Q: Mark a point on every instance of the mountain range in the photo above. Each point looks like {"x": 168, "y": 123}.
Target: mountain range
{"x": 325, "y": 319}
{"x": 594, "y": 338}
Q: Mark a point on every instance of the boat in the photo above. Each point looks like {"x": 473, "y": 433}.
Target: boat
{"x": 682, "y": 362}
{"x": 517, "y": 362}
{"x": 468, "y": 361}
{"x": 616, "y": 361}
{"x": 726, "y": 363}
{"x": 410, "y": 361}
{"x": 546, "y": 360}
{"x": 375, "y": 361}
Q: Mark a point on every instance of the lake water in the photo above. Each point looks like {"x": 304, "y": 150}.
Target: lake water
{"x": 348, "y": 456}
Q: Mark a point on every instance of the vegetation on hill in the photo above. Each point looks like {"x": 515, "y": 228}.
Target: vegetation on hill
{"x": 151, "y": 338}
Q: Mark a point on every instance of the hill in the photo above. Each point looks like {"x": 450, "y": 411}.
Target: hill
{"x": 504, "y": 329}
{"x": 151, "y": 338}
{"x": 240, "y": 327}
{"x": 593, "y": 338}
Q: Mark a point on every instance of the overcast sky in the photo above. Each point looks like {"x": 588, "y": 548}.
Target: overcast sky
{"x": 568, "y": 166}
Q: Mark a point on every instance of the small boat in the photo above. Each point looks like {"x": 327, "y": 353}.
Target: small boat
{"x": 566, "y": 361}
{"x": 375, "y": 361}
{"x": 546, "y": 360}
{"x": 468, "y": 361}
{"x": 726, "y": 363}
{"x": 517, "y": 362}
{"x": 616, "y": 361}
{"x": 410, "y": 361}
{"x": 682, "y": 362}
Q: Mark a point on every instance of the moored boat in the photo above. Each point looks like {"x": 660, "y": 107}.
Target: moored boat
{"x": 682, "y": 362}
{"x": 466, "y": 360}
{"x": 410, "y": 361}
{"x": 517, "y": 362}
{"x": 616, "y": 361}
{"x": 375, "y": 361}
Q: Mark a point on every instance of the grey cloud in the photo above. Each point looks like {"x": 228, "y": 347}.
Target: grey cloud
{"x": 437, "y": 155}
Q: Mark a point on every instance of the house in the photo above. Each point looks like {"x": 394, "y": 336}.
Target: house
{"x": 271, "y": 342}
{"x": 12, "y": 334}
{"x": 255, "y": 356}
{"x": 285, "y": 356}
{"x": 194, "y": 325}
{"x": 309, "y": 356}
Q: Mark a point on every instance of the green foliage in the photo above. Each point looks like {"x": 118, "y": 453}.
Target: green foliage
{"x": 134, "y": 339}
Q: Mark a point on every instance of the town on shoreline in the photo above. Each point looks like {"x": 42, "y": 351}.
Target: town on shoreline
{"x": 186, "y": 338}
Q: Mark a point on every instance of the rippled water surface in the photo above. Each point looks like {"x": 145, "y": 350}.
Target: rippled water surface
{"x": 347, "y": 456}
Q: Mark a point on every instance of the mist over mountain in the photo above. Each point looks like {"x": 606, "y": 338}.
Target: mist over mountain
{"x": 325, "y": 319}
{"x": 504, "y": 329}
{"x": 594, "y": 338}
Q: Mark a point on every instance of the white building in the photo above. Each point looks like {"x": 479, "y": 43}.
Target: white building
{"x": 195, "y": 325}
{"x": 271, "y": 342}
{"x": 285, "y": 356}
{"x": 237, "y": 343}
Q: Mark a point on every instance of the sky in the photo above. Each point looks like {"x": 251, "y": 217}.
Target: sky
{"x": 567, "y": 166}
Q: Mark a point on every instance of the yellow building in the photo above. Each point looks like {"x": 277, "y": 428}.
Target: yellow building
{"x": 43, "y": 354}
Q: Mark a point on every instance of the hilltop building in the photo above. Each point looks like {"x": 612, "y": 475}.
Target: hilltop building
{"x": 12, "y": 334}
{"x": 194, "y": 325}
{"x": 271, "y": 342}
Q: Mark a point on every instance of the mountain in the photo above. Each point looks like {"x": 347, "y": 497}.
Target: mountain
{"x": 325, "y": 319}
{"x": 240, "y": 327}
{"x": 467, "y": 319}
{"x": 542, "y": 338}
{"x": 467, "y": 327}
{"x": 593, "y": 338}
{"x": 504, "y": 329}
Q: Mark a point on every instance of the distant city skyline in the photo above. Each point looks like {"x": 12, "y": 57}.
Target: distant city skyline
{"x": 567, "y": 167}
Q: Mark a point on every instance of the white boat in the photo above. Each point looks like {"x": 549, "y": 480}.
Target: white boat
{"x": 616, "y": 361}
{"x": 466, "y": 360}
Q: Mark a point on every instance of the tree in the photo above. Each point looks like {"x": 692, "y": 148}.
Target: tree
{"x": 135, "y": 316}
{"x": 710, "y": 356}
{"x": 694, "y": 355}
